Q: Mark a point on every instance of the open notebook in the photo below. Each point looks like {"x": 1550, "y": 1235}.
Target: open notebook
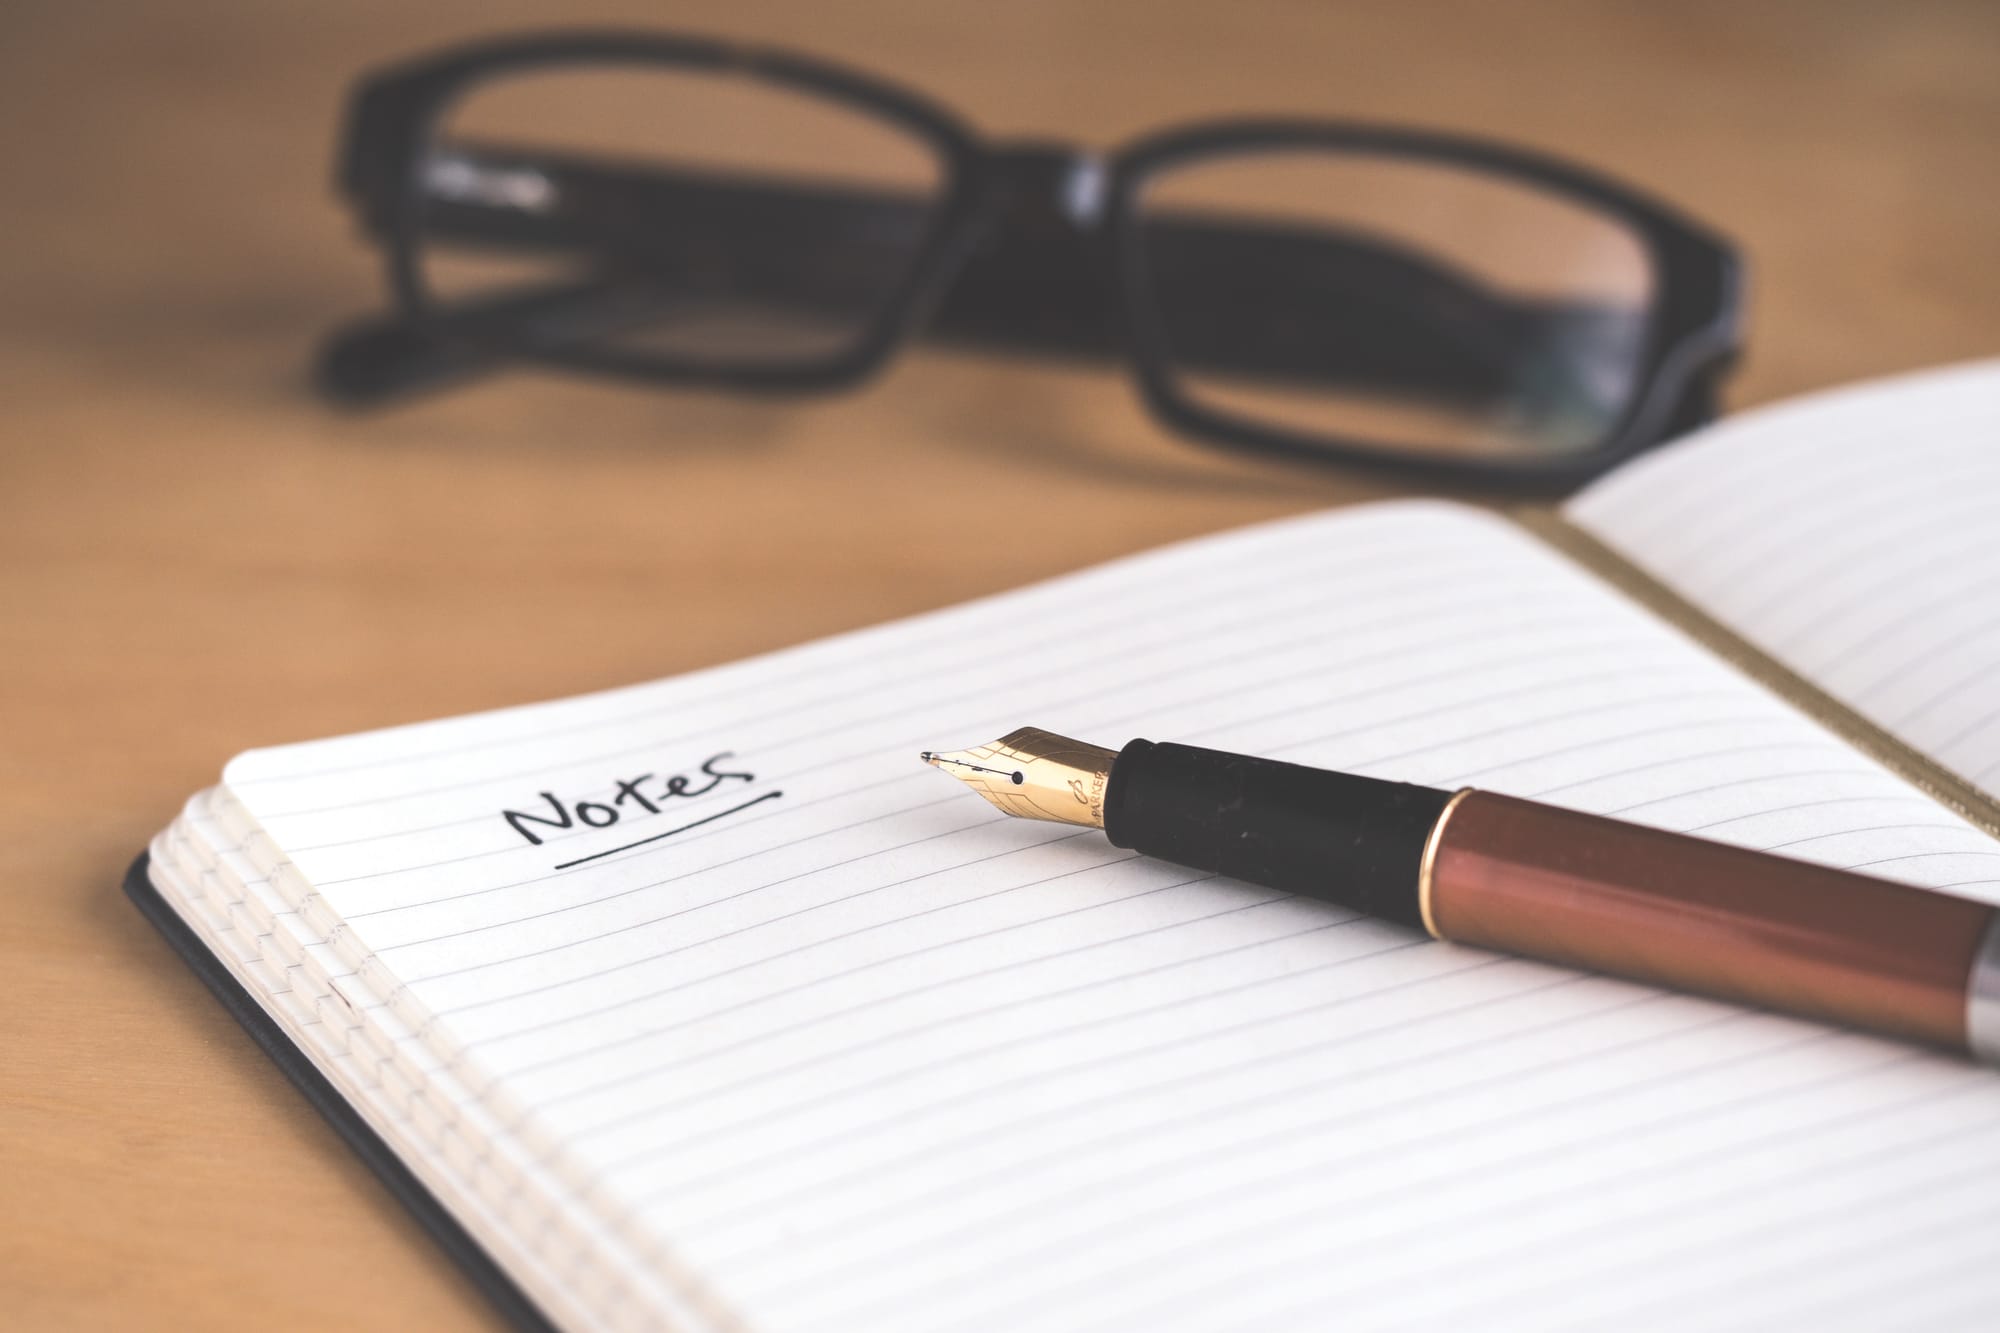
{"x": 704, "y": 1005}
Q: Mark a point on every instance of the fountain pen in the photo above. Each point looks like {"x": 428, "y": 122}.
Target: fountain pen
{"x": 1498, "y": 872}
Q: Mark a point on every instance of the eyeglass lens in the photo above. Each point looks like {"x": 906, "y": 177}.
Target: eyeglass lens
{"x": 1397, "y": 302}
{"x": 704, "y": 218}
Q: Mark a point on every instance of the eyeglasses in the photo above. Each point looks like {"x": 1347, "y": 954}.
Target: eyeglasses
{"x": 688, "y": 211}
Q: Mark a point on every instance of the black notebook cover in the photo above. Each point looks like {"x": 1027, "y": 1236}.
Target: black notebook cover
{"x": 487, "y": 1275}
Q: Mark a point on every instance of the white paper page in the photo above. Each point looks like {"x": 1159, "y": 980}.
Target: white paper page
{"x": 183, "y": 869}
{"x": 579, "y": 1274}
{"x": 865, "y": 1054}
{"x": 1852, "y": 535}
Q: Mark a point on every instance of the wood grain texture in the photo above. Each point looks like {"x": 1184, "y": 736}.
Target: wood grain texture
{"x": 195, "y": 556}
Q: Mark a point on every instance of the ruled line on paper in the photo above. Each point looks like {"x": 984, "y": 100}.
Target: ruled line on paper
{"x": 1847, "y": 537}
{"x": 1904, "y": 1288}
{"x": 1303, "y": 1213}
{"x": 1834, "y": 1265}
{"x": 1515, "y": 1207}
{"x": 1808, "y": 459}
{"x": 1857, "y": 591}
{"x": 1706, "y": 1203}
{"x": 1383, "y": 1239}
{"x": 1113, "y": 941}
{"x": 1793, "y": 533}
{"x": 641, "y": 842}
{"x": 1948, "y": 646}
{"x": 694, "y": 873}
{"x": 1757, "y": 447}
{"x": 580, "y": 1052}
{"x": 1698, "y": 757}
{"x": 1977, "y": 725}
{"x": 650, "y": 959}
{"x": 1977, "y": 675}
{"x": 931, "y": 1238}
{"x": 1783, "y": 776}
{"x": 974, "y": 1053}
{"x": 929, "y": 1109}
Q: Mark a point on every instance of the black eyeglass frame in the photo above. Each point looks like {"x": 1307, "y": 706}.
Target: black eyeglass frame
{"x": 1692, "y": 337}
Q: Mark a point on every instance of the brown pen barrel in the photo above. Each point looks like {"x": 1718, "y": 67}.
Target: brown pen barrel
{"x": 1595, "y": 893}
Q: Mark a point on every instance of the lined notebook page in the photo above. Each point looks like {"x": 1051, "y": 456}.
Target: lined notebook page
{"x": 1854, "y": 536}
{"x": 861, "y": 1053}
{"x": 406, "y": 1095}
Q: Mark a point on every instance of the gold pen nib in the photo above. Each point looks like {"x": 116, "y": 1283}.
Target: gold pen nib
{"x": 1035, "y": 774}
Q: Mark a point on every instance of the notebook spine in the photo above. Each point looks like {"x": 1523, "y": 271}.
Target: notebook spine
{"x": 1912, "y": 765}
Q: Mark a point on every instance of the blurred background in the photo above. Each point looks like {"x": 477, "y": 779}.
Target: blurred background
{"x": 198, "y": 555}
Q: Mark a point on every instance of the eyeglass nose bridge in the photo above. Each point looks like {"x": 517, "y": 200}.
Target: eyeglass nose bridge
{"x": 1037, "y": 275}
{"x": 1042, "y": 184}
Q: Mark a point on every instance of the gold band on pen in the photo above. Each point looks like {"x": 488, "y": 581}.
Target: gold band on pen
{"x": 1429, "y": 861}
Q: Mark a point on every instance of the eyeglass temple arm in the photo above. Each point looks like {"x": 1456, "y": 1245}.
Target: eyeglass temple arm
{"x": 1398, "y": 321}
{"x": 386, "y": 357}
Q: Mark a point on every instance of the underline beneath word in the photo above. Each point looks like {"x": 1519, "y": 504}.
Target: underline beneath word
{"x": 720, "y": 814}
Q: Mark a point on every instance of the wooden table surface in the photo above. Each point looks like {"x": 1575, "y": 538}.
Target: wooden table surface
{"x": 197, "y": 557}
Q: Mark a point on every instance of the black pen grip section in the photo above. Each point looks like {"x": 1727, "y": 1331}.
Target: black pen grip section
{"x": 1334, "y": 836}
